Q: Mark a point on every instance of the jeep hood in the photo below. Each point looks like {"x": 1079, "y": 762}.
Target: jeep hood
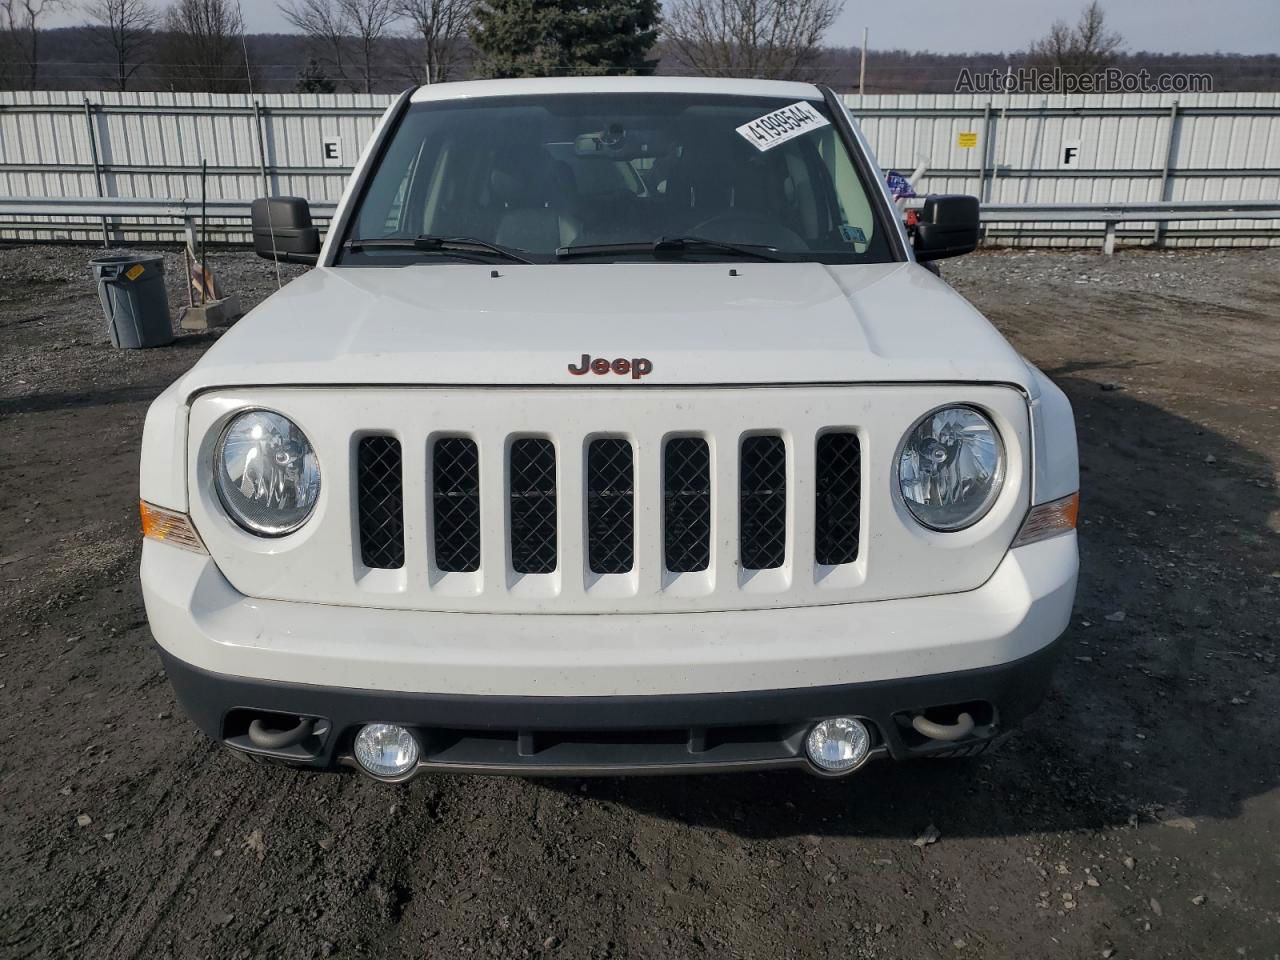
{"x": 697, "y": 323}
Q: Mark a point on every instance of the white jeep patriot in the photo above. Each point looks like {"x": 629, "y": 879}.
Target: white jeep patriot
{"x": 618, "y": 429}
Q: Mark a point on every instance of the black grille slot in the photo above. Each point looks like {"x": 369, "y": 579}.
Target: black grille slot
{"x": 455, "y": 494}
{"x": 837, "y": 496}
{"x": 686, "y": 503}
{"x": 762, "y": 504}
{"x": 533, "y": 506}
{"x": 610, "y": 506}
{"x": 380, "y": 500}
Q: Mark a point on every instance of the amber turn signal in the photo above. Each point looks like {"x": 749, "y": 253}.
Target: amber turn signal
{"x": 169, "y": 526}
{"x": 1047, "y": 520}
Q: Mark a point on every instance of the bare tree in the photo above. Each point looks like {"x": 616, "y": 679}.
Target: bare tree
{"x": 1086, "y": 47}
{"x": 10, "y": 49}
{"x": 202, "y": 47}
{"x": 440, "y": 31}
{"x": 776, "y": 39}
{"x": 20, "y": 24}
{"x": 350, "y": 34}
{"x": 322, "y": 24}
{"x": 126, "y": 26}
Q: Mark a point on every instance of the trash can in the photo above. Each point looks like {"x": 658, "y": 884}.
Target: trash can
{"x": 134, "y": 300}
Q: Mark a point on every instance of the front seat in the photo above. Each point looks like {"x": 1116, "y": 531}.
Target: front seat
{"x": 537, "y": 203}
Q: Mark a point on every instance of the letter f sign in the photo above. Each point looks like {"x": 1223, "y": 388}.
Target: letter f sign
{"x": 1070, "y": 155}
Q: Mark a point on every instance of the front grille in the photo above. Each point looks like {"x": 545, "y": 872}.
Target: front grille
{"x": 837, "y": 498}
{"x": 686, "y": 505}
{"x": 455, "y": 498}
{"x": 533, "y": 506}
{"x": 610, "y": 507}
{"x": 612, "y": 502}
{"x": 380, "y": 495}
{"x": 762, "y": 503}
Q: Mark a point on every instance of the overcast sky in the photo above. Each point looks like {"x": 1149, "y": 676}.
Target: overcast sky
{"x": 958, "y": 26}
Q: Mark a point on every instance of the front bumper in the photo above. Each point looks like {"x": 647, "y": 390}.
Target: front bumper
{"x": 547, "y": 693}
{"x": 547, "y": 736}
{"x": 198, "y": 617}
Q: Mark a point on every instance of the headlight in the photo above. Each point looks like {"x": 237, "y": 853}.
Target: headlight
{"x": 266, "y": 473}
{"x": 951, "y": 468}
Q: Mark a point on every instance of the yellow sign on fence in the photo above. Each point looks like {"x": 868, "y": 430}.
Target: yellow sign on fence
{"x": 967, "y": 140}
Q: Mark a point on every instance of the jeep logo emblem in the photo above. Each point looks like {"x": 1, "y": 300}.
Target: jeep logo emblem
{"x": 637, "y": 367}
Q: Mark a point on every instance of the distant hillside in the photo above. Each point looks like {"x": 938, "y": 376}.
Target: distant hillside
{"x": 76, "y": 58}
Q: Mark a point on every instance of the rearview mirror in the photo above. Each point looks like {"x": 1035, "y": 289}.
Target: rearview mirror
{"x": 617, "y": 143}
{"x": 947, "y": 227}
{"x": 282, "y": 230}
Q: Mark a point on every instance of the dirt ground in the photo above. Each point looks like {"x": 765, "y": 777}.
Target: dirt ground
{"x": 1136, "y": 816}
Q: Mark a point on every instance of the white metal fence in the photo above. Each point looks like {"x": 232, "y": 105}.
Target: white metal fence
{"x": 1103, "y": 148}
{"x": 1007, "y": 150}
{"x": 151, "y": 145}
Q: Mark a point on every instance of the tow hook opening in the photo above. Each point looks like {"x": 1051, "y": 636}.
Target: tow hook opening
{"x": 268, "y": 738}
{"x": 944, "y": 725}
{"x": 961, "y": 728}
{"x": 281, "y": 735}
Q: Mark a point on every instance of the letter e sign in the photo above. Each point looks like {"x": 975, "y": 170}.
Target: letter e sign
{"x": 1069, "y": 159}
{"x": 331, "y": 151}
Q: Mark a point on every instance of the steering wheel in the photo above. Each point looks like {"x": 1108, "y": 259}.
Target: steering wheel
{"x": 749, "y": 229}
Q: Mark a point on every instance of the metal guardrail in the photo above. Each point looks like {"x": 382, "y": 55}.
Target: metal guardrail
{"x": 188, "y": 211}
{"x": 133, "y": 207}
{"x": 209, "y": 110}
{"x": 1111, "y": 214}
{"x": 114, "y": 208}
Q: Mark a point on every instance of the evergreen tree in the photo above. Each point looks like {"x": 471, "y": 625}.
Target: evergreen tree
{"x": 313, "y": 79}
{"x": 558, "y": 38}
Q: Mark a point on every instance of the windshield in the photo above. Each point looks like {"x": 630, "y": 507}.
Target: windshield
{"x": 590, "y": 178}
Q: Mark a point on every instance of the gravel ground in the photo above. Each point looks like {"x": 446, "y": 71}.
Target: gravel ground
{"x": 1136, "y": 816}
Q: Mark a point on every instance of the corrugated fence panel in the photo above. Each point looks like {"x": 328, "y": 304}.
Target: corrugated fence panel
{"x": 152, "y": 145}
{"x": 1218, "y": 146}
{"x": 1006, "y": 149}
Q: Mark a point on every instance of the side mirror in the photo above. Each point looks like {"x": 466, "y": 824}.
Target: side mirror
{"x": 947, "y": 227}
{"x": 282, "y": 230}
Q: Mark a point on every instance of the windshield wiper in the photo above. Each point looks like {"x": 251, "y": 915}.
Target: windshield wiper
{"x": 674, "y": 245}
{"x": 481, "y": 249}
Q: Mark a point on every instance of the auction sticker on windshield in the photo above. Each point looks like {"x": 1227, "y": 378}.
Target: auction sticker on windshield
{"x": 783, "y": 125}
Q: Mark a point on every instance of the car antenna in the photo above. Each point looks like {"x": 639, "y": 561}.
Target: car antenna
{"x": 266, "y": 183}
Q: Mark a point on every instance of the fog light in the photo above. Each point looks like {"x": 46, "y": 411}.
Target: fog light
{"x": 386, "y": 750}
{"x": 838, "y": 744}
